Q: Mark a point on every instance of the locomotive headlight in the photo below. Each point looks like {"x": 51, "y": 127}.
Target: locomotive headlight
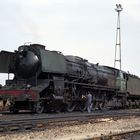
{"x": 22, "y": 52}
{"x": 22, "y": 49}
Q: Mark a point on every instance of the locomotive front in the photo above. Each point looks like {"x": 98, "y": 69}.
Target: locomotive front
{"x": 34, "y": 69}
{"x": 25, "y": 65}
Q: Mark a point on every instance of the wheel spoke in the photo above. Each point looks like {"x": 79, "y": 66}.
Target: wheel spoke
{"x": 70, "y": 106}
{"x": 82, "y": 106}
{"x": 39, "y": 107}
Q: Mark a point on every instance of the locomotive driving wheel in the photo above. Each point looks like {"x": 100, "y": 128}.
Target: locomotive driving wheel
{"x": 39, "y": 107}
{"x": 70, "y": 96}
{"x": 101, "y": 105}
{"x": 82, "y": 105}
{"x": 71, "y": 106}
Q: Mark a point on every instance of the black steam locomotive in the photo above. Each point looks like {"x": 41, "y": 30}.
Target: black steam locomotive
{"x": 47, "y": 80}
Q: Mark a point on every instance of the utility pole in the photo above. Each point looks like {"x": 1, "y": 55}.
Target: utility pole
{"x": 118, "y": 38}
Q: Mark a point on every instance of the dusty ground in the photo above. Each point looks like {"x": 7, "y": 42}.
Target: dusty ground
{"x": 78, "y": 132}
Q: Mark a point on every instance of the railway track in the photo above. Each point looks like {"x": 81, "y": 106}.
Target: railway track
{"x": 34, "y": 122}
{"x": 129, "y": 135}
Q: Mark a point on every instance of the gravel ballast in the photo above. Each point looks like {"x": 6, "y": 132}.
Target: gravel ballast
{"x": 78, "y": 132}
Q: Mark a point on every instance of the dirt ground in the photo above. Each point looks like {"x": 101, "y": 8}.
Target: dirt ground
{"x": 78, "y": 132}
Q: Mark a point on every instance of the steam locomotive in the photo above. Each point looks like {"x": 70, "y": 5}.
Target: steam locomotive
{"x": 47, "y": 80}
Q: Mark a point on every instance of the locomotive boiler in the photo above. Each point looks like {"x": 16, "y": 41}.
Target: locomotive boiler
{"x": 47, "y": 80}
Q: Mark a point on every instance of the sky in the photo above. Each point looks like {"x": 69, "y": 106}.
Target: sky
{"x": 84, "y": 28}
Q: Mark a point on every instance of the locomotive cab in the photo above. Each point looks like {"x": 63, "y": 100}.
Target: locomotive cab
{"x": 121, "y": 81}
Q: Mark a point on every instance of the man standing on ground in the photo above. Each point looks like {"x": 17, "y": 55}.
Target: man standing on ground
{"x": 89, "y": 102}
